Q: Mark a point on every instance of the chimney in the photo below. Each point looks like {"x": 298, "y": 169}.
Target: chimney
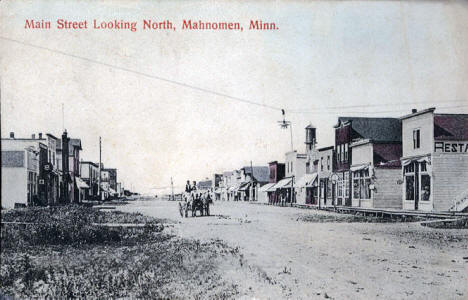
{"x": 40, "y": 135}
{"x": 12, "y": 135}
{"x": 33, "y": 136}
{"x": 414, "y": 110}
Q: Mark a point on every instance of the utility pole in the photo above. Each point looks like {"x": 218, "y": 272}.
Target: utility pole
{"x": 251, "y": 182}
{"x": 63, "y": 118}
{"x": 290, "y": 127}
{"x": 99, "y": 178}
{"x": 172, "y": 189}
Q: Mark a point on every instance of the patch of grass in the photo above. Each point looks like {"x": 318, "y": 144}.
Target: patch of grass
{"x": 68, "y": 257}
{"x": 70, "y": 226}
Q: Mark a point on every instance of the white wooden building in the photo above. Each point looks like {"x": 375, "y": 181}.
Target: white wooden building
{"x": 435, "y": 161}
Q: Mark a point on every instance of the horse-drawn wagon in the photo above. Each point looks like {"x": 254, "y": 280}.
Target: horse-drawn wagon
{"x": 194, "y": 204}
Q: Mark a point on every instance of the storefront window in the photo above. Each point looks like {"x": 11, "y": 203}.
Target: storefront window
{"x": 355, "y": 186}
{"x": 409, "y": 182}
{"x": 409, "y": 187}
{"x": 340, "y": 185}
{"x": 425, "y": 187}
{"x": 361, "y": 183}
{"x": 346, "y": 184}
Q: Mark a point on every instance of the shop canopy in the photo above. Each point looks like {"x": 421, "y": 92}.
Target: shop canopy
{"x": 307, "y": 180}
{"x": 283, "y": 183}
{"x": 265, "y": 188}
{"x": 359, "y": 167}
{"x": 426, "y": 159}
{"x": 80, "y": 183}
{"x": 244, "y": 186}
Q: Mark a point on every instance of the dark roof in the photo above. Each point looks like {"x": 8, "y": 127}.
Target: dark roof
{"x": 374, "y": 129}
{"x": 52, "y": 136}
{"x": 91, "y": 163}
{"x": 451, "y": 127}
{"x": 261, "y": 174}
{"x": 326, "y": 148}
{"x": 387, "y": 155}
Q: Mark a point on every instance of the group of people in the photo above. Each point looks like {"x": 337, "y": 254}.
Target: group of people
{"x": 197, "y": 200}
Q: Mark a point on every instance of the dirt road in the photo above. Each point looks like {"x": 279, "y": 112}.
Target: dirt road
{"x": 286, "y": 257}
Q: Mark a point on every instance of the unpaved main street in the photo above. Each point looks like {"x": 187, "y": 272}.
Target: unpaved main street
{"x": 283, "y": 256}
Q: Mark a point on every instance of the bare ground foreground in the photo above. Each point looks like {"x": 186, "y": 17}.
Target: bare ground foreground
{"x": 302, "y": 254}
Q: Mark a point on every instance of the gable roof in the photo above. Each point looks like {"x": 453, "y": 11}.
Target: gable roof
{"x": 261, "y": 174}
{"x": 374, "y": 129}
{"x": 451, "y": 127}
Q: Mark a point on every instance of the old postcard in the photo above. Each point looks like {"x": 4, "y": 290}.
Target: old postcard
{"x": 234, "y": 149}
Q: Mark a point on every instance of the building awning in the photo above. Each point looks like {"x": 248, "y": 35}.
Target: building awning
{"x": 307, "y": 180}
{"x": 244, "y": 186}
{"x": 265, "y": 187}
{"x": 423, "y": 158}
{"x": 283, "y": 183}
{"x": 80, "y": 183}
{"x": 359, "y": 167}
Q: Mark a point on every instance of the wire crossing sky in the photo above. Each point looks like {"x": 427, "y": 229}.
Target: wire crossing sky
{"x": 187, "y": 104}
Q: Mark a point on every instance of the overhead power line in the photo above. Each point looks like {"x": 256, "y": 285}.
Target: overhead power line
{"x": 144, "y": 74}
{"x": 323, "y": 110}
{"x": 374, "y": 105}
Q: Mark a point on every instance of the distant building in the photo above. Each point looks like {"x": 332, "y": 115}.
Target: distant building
{"x": 90, "y": 175}
{"x": 276, "y": 174}
{"x": 204, "y": 185}
{"x": 325, "y": 171}
{"x": 349, "y": 130}
{"x": 375, "y": 172}
{"x": 307, "y": 190}
{"x": 20, "y": 171}
{"x": 47, "y": 178}
{"x": 226, "y": 186}
{"x": 112, "y": 178}
{"x": 435, "y": 161}
{"x": 217, "y": 186}
{"x": 252, "y": 178}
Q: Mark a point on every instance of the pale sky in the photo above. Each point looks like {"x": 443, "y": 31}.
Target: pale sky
{"x": 383, "y": 58}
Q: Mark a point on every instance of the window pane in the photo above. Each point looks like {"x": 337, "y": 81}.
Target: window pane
{"x": 409, "y": 187}
{"x": 425, "y": 187}
{"x": 365, "y": 191}
{"x": 356, "y": 193}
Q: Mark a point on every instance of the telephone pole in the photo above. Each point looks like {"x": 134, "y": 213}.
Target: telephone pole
{"x": 99, "y": 178}
{"x": 251, "y": 182}
{"x": 172, "y": 189}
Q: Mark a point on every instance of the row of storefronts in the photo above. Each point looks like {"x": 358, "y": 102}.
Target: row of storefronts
{"x": 416, "y": 162}
{"x": 43, "y": 170}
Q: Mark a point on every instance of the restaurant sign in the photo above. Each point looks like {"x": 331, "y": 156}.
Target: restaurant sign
{"x": 451, "y": 147}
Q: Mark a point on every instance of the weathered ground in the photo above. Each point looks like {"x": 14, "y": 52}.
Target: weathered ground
{"x": 303, "y": 254}
{"x": 59, "y": 253}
